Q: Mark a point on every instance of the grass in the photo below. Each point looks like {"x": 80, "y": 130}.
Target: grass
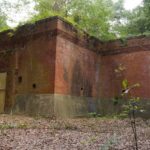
{"x": 13, "y": 126}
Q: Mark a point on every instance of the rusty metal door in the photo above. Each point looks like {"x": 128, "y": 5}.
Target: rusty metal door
{"x": 2, "y": 91}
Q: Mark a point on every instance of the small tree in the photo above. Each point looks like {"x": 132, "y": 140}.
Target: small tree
{"x": 132, "y": 103}
{"x": 131, "y": 107}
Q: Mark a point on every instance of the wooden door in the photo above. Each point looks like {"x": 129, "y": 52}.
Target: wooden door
{"x": 2, "y": 91}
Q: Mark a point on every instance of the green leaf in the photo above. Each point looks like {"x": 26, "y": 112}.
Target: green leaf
{"x": 125, "y": 84}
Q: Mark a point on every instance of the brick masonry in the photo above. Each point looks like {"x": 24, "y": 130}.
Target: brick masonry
{"x": 52, "y": 68}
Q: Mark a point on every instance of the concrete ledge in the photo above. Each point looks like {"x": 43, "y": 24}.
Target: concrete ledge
{"x": 73, "y": 106}
{"x": 109, "y": 107}
{"x": 34, "y": 104}
{"x": 66, "y": 106}
{"x": 54, "y": 105}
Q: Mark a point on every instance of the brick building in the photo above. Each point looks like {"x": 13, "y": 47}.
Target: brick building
{"x": 51, "y": 68}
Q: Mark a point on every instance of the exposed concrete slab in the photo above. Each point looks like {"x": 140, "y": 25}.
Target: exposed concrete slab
{"x": 54, "y": 105}
{"x": 74, "y": 106}
{"x": 34, "y": 104}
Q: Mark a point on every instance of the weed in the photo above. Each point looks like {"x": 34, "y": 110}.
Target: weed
{"x": 22, "y": 126}
{"x": 12, "y": 126}
{"x": 94, "y": 114}
{"x": 132, "y": 103}
{"x": 109, "y": 143}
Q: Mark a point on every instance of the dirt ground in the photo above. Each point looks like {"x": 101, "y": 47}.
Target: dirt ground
{"x": 26, "y": 133}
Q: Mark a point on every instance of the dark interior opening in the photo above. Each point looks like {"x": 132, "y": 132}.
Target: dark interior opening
{"x": 81, "y": 91}
{"x": 34, "y": 86}
{"x": 20, "y": 79}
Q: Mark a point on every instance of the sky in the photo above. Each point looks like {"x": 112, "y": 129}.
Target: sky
{"x": 23, "y": 15}
{"x": 130, "y": 4}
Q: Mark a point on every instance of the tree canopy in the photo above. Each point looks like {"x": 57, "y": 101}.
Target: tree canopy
{"x": 91, "y": 16}
{"x": 104, "y": 19}
{"x": 139, "y": 20}
{"x": 3, "y": 16}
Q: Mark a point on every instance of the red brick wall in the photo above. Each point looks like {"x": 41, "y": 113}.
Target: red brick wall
{"x": 5, "y": 61}
{"x": 137, "y": 70}
{"x": 77, "y": 69}
{"x": 57, "y": 58}
{"x": 31, "y": 57}
{"x": 35, "y": 65}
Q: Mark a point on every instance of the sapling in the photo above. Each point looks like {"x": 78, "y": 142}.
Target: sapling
{"x": 131, "y": 107}
{"x": 132, "y": 103}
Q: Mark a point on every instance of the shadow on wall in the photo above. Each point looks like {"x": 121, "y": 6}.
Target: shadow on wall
{"x": 81, "y": 86}
{"x": 112, "y": 103}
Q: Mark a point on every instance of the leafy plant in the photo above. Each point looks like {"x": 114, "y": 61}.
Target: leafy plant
{"x": 13, "y": 126}
{"x": 131, "y": 107}
{"x": 95, "y": 17}
{"x": 131, "y": 104}
{"x": 109, "y": 143}
{"x": 93, "y": 114}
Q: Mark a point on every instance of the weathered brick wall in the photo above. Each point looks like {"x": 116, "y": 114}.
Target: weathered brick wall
{"x": 75, "y": 70}
{"x": 35, "y": 66}
{"x": 134, "y": 57}
{"x": 29, "y": 61}
{"x": 6, "y": 57}
{"x": 77, "y": 63}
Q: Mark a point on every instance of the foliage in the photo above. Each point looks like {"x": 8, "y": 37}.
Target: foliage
{"x": 3, "y": 24}
{"x": 120, "y": 19}
{"x": 109, "y": 143}
{"x": 94, "y": 114}
{"x": 104, "y": 19}
{"x": 12, "y": 126}
{"x": 94, "y": 17}
{"x": 3, "y": 16}
{"x": 131, "y": 104}
{"x": 139, "y": 20}
{"x": 14, "y": 12}
{"x": 47, "y": 8}
{"x": 131, "y": 107}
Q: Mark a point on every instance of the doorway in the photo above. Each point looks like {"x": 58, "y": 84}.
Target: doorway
{"x": 2, "y": 90}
